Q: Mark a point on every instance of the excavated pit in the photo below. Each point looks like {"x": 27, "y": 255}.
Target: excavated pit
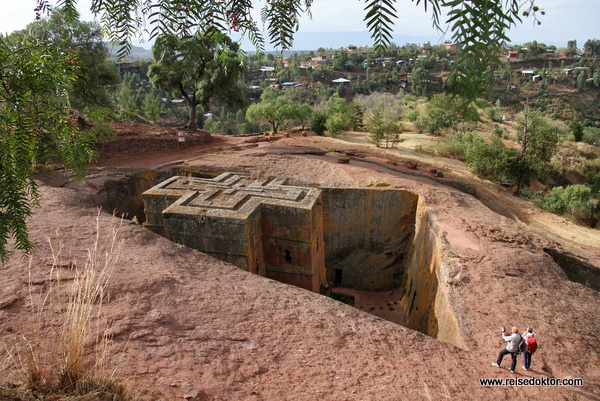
{"x": 378, "y": 247}
{"x": 576, "y": 269}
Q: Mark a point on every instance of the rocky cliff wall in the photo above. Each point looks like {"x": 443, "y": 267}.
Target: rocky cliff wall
{"x": 427, "y": 303}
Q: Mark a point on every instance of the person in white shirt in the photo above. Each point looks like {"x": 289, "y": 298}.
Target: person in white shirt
{"x": 512, "y": 348}
{"x": 529, "y": 333}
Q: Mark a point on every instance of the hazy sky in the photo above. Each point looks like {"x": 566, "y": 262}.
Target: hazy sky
{"x": 564, "y": 20}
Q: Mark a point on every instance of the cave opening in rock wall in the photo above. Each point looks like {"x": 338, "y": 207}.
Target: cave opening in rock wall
{"x": 372, "y": 248}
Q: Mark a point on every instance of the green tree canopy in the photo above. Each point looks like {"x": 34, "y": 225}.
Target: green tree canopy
{"x": 95, "y": 71}
{"x": 420, "y": 81}
{"x": 592, "y": 47}
{"x": 538, "y": 143}
{"x": 37, "y": 128}
{"x": 273, "y": 109}
{"x": 198, "y": 68}
{"x": 437, "y": 120}
{"x": 382, "y": 130}
{"x": 341, "y": 114}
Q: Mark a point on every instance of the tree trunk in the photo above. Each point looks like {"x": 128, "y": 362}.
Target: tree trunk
{"x": 524, "y": 144}
{"x": 191, "y": 125}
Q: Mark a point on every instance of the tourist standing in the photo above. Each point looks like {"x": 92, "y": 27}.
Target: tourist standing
{"x": 512, "y": 348}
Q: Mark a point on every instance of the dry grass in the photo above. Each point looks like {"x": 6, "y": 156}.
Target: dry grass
{"x": 71, "y": 310}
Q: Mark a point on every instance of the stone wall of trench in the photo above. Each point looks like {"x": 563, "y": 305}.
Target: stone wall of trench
{"x": 382, "y": 239}
{"x": 367, "y": 235}
{"x": 427, "y": 304}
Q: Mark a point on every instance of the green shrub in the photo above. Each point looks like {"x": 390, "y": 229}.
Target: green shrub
{"x": 216, "y": 127}
{"x": 499, "y": 131}
{"x": 412, "y": 116}
{"x": 334, "y": 124}
{"x": 578, "y": 202}
{"x": 553, "y": 201}
{"x": 420, "y": 124}
{"x": 576, "y": 129}
{"x": 494, "y": 114}
{"x": 461, "y": 142}
{"x": 317, "y": 122}
{"x": 101, "y": 133}
{"x": 152, "y": 106}
{"x": 437, "y": 120}
{"x": 493, "y": 161}
{"x": 242, "y": 129}
{"x": 591, "y": 135}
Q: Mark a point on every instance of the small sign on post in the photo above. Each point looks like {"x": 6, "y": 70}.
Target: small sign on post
{"x": 180, "y": 137}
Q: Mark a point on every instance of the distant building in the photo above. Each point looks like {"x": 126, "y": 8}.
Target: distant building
{"x": 341, "y": 81}
{"x": 351, "y": 48}
{"x": 132, "y": 67}
{"x": 451, "y": 47}
{"x": 266, "y": 69}
{"x": 512, "y": 54}
{"x": 318, "y": 60}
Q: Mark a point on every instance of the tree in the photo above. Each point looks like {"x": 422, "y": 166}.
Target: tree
{"x": 437, "y": 120}
{"x": 538, "y": 143}
{"x": 491, "y": 160}
{"x": 346, "y": 116}
{"x": 152, "y": 105}
{"x": 37, "y": 128}
{"x": 576, "y": 128}
{"x": 95, "y": 72}
{"x": 420, "y": 81}
{"x": 341, "y": 58}
{"x": 198, "y": 68}
{"x": 581, "y": 79}
{"x": 381, "y": 112}
{"x": 126, "y": 97}
{"x": 375, "y": 127}
{"x": 450, "y": 104}
{"x": 334, "y": 124}
{"x": 303, "y": 114}
{"x": 272, "y": 109}
{"x": 592, "y": 47}
{"x": 318, "y": 121}
{"x": 390, "y": 106}
{"x": 382, "y": 130}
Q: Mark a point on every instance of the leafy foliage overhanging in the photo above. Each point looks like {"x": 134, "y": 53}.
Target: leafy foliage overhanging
{"x": 478, "y": 26}
{"x": 37, "y": 128}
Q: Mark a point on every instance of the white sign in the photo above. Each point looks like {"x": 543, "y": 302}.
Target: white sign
{"x": 180, "y": 136}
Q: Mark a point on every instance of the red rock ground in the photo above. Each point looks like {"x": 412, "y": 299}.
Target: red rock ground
{"x": 187, "y": 326}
